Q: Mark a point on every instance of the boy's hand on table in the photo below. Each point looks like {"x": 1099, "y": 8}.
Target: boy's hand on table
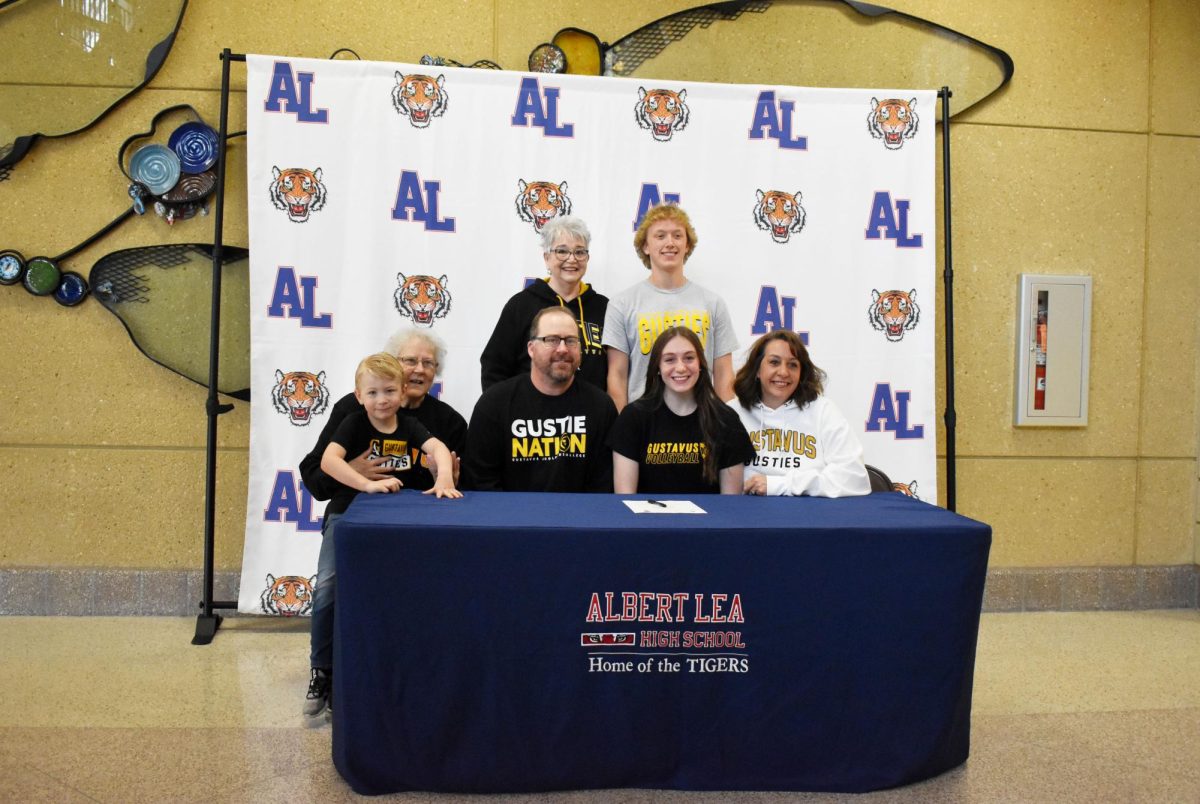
{"x": 448, "y": 492}
{"x": 385, "y": 486}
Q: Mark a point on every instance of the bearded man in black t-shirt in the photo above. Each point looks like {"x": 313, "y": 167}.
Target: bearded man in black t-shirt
{"x": 544, "y": 431}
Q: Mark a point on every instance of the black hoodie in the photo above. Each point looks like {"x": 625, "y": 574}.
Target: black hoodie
{"x": 505, "y": 354}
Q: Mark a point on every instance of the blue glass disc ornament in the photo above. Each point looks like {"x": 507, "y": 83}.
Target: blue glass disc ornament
{"x": 72, "y": 289}
{"x": 155, "y": 166}
{"x": 12, "y": 267}
{"x": 196, "y": 146}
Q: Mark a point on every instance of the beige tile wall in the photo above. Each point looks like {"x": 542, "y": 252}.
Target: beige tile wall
{"x": 1174, "y": 32}
{"x": 1171, "y": 367}
{"x": 1087, "y": 163}
{"x": 1067, "y": 56}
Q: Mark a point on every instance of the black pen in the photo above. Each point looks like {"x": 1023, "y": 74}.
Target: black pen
{"x": 656, "y": 502}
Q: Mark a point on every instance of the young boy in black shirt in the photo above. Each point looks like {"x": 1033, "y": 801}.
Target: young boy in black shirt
{"x": 379, "y": 388}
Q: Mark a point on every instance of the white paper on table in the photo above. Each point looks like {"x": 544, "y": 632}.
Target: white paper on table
{"x": 664, "y": 507}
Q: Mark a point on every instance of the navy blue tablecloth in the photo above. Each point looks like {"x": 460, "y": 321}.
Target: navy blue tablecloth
{"x": 478, "y": 650}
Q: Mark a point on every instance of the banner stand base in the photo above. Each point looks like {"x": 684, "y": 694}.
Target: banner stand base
{"x": 206, "y": 628}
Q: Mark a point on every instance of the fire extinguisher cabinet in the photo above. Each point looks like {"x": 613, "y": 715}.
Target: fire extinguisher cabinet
{"x": 1054, "y": 333}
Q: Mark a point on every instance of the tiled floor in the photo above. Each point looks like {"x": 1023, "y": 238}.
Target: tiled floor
{"x": 1087, "y": 707}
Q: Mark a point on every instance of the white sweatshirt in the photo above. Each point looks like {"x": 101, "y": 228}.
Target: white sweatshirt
{"x": 808, "y": 451}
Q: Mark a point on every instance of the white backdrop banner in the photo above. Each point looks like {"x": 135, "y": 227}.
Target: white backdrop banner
{"x": 385, "y": 195}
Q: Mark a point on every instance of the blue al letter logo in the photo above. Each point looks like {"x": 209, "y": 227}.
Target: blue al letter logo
{"x": 774, "y": 119}
{"x": 530, "y": 110}
{"x": 297, "y": 300}
{"x": 410, "y": 206}
{"x": 291, "y": 502}
{"x": 887, "y": 414}
{"x": 893, "y": 226}
{"x": 650, "y": 197}
{"x": 775, "y": 312}
{"x": 293, "y": 94}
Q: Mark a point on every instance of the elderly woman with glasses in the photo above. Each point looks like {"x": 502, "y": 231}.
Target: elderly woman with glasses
{"x": 565, "y": 251}
{"x": 421, "y": 353}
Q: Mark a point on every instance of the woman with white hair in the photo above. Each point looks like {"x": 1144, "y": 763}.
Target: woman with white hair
{"x": 565, "y": 252}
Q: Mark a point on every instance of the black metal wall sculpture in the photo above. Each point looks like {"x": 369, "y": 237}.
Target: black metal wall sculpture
{"x": 820, "y": 43}
{"x": 96, "y": 54}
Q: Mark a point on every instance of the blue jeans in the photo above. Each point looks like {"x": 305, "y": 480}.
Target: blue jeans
{"x": 321, "y": 640}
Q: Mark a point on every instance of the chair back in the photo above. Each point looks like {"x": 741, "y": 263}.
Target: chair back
{"x": 879, "y": 479}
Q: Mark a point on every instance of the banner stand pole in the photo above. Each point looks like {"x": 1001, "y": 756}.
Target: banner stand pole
{"x": 950, "y": 416}
{"x": 207, "y": 622}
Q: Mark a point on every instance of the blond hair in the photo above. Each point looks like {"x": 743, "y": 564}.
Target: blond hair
{"x": 381, "y": 365}
{"x": 662, "y": 212}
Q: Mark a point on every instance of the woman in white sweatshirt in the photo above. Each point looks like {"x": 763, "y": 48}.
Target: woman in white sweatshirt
{"x": 803, "y": 442}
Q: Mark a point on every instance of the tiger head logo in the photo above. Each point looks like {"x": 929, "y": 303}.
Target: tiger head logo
{"x": 539, "y": 201}
{"x": 288, "y": 595}
{"x": 779, "y": 213}
{"x": 894, "y": 312}
{"x": 422, "y": 298}
{"x": 661, "y": 111}
{"x": 297, "y": 190}
{"x": 893, "y": 121}
{"x": 420, "y": 98}
{"x": 909, "y": 489}
{"x": 300, "y": 395}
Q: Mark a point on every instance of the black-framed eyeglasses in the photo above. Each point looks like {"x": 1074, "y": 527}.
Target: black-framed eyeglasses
{"x": 553, "y": 341}
{"x": 563, "y": 253}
